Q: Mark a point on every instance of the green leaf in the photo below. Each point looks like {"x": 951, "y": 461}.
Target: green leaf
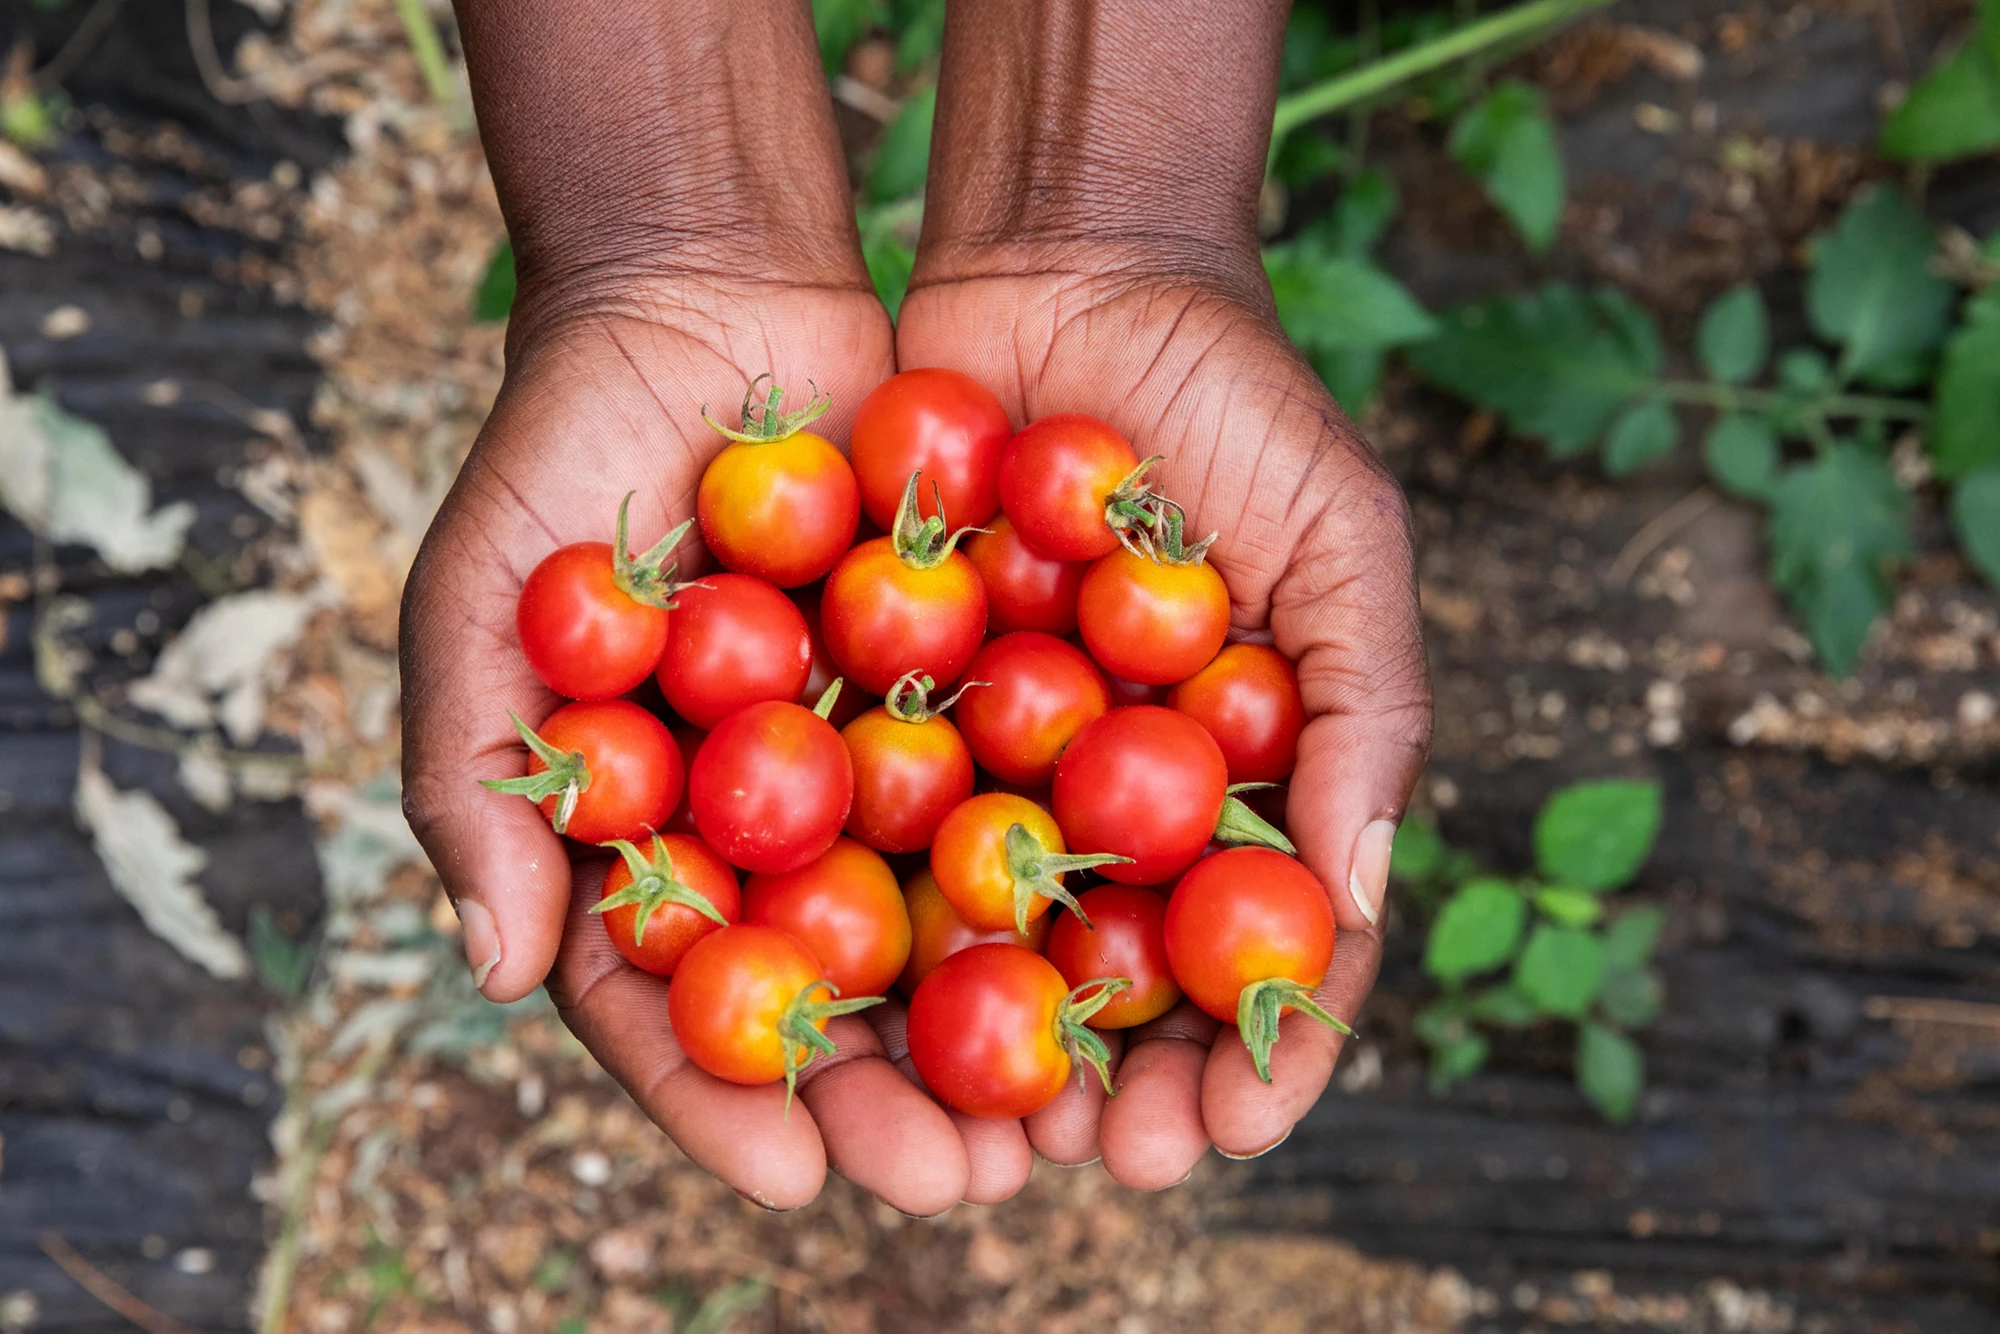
{"x": 1571, "y": 907}
{"x": 1458, "y": 1059}
{"x": 1805, "y": 372}
{"x": 1351, "y": 375}
{"x": 1508, "y": 141}
{"x": 1628, "y": 941}
{"x": 839, "y": 24}
{"x": 721, "y": 1309}
{"x": 1362, "y": 214}
{"x": 1504, "y": 1006}
{"x": 1872, "y": 291}
{"x": 1743, "y": 455}
{"x": 922, "y": 26}
{"x": 890, "y": 263}
{"x": 1954, "y": 111}
{"x": 1306, "y": 156}
{"x": 904, "y": 154}
{"x": 1560, "y": 969}
{"x": 1558, "y": 364}
{"x": 1735, "y": 336}
{"x": 1975, "y": 512}
{"x": 1597, "y": 835}
{"x": 1630, "y": 997}
{"x": 1965, "y": 433}
{"x": 1646, "y": 433}
{"x": 1477, "y": 929}
{"x": 1611, "y": 1072}
{"x": 496, "y": 290}
{"x": 1418, "y": 850}
{"x": 1837, "y": 527}
{"x": 1328, "y": 302}
{"x": 283, "y": 964}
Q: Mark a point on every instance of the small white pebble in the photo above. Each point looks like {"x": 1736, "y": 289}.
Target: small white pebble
{"x": 591, "y": 1168}
{"x": 195, "y": 1260}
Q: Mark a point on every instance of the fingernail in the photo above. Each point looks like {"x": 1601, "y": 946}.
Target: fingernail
{"x": 1368, "y": 873}
{"x": 1254, "y": 1153}
{"x": 482, "y": 940}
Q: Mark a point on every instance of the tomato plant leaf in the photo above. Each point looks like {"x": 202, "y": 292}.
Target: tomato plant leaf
{"x": 1477, "y": 929}
{"x": 1596, "y": 836}
{"x": 1644, "y": 433}
{"x": 1362, "y": 214}
{"x": 1629, "y": 940}
{"x": 1954, "y": 110}
{"x": 1560, "y": 969}
{"x": 1351, "y": 375}
{"x": 1507, "y": 140}
{"x": 1743, "y": 455}
{"x": 904, "y": 154}
{"x": 1456, "y": 1060}
{"x": 890, "y": 263}
{"x": 1610, "y": 1071}
{"x": 1503, "y": 1005}
{"x": 1630, "y": 997}
{"x": 1734, "y": 340}
{"x": 1329, "y": 302}
{"x": 839, "y": 24}
{"x": 1873, "y": 292}
{"x": 1571, "y": 907}
{"x": 921, "y": 24}
{"x": 1975, "y": 513}
{"x": 1418, "y": 850}
{"x": 1837, "y": 526}
{"x": 1965, "y": 433}
{"x": 495, "y": 300}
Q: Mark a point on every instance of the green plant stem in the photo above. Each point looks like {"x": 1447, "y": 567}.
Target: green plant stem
{"x": 1729, "y": 398}
{"x": 426, "y": 46}
{"x": 1379, "y": 76}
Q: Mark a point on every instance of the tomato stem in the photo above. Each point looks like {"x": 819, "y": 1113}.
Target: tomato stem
{"x": 1037, "y": 871}
{"x": 1074, "y": 1035}
{"x": 799, "y": 1034}
{"x": 648, "y": 578}
{"x": 922, "y": 543}
{"x": 823, "y": 706}
{"x": 1262, "y": 1004}
{"x": 908, "y": 700}
{"x": 567, "y": 774}
{"x": 653, "y": 886}
{"x": 1239, "y": 825}
{"x": 764, "y": 423}
{"x": 1133, "y": 507}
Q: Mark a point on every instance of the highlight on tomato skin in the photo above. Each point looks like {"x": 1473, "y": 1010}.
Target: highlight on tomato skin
{"x": 846, "y": 907}
{"x": 734, "y": 641}
{"x": 1127, "y": 937}
{"x": 937, "y": 933}
{"x": 941, "y": 423}
{"x": 1034, "y": 693}
{"x": 600, "y": 770}
{"x": 1248, "y": 699}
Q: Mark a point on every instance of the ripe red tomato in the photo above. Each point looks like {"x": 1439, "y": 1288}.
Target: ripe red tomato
{"x": 905, "y": 603}
{"x": 1152, "y": 621}
{"x": 659, "y": 902}
{"x": 735, "y": 641}
{"x": 1069, "y": 483}
{"x": 778, "y": 502}
{"x": 1035, "y": 693}
{"x": 852, "y": 701}
{"x": 846, "y": 907}
{"x": 999, "y": 862}
{"x": 937, "y": 933}
{"x": 1024, "y": 591}
{"x": 943, "y": 423}
{"x": 688, "y": 741}
{"x": 1127, "y": 937}
{"x": 771, "y": 786}
{"x": 994, "y": 1030}
{"x": 911, "y": 767}
{"x": 593, "y": 618}
{"x": 748, "y": 1004}
{"x": 1124, "y": 694}
{"x": 600, "y": 770}
{"x": 1248, "y": 699}
{"x": 1250, "y": 934}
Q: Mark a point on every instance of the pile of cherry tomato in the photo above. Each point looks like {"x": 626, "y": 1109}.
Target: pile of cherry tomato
{"x": 918, "y": 741}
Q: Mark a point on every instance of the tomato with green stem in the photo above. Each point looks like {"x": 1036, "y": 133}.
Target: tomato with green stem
{"x": 1151, "y": 786}
{"x": 1071, "y": 484}
{"x": 846, "y": 907}
{"x": 937, "y": 933}
{"x": 749, "y": 1004}
{"x": 735, "y": 641}
{"x": 658, "y": 903}
{"x": 600, "y": 770}
{"x": 779, "y": 502}
{"x": 1035, "y": 692}
{"x": 1126, "y": 937}
{"x": 911, "y": 767}
{"x": 593, "y": 618}
{"x": 908, "y": 602}
{"x": 938, "y": 422}
{"x": 995, "y": 1030}
{"x": 1154, "y": 611}
{"x": 1248, "y": 698}
{"x": 770, "y": 787}
{"x": 1250, "y": 935}
{"x": 999, "y": 861}
{"x": 1024, "y": 590}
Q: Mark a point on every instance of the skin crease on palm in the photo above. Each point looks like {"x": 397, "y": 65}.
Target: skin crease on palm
{"x": 1032, "y": 277}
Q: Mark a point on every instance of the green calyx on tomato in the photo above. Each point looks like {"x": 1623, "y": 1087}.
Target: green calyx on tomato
{"x": 1073, "y": 1017}
{"x": 823, "y": 706}
{"x": 799, "y": 1029}
{"x": 567, "y": 774}
{"x": 1238, "y": 825}
{"x": 1134, "y": 507}
{"x": 1035, "y": 869}
{"x": 1162, "y": 538}
{"x": 766, "y": 421}
{"x": 923, "y": 544}
{"x": 653, "y": 887}
{"x": 1260, "y": 1007}
{"x": 648, "y": 578}
{"x": 909, "y": 700}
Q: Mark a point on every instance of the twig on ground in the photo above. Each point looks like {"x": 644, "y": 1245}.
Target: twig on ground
{"x": 1648, "y": 539}
{"x": 106, "y": 1289}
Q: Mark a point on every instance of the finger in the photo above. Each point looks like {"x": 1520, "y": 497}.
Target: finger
{"x": 998, "y": 1158}
{"x": 1152, "y": 1131}
{"x": 882, "y": 1132}
{"x": 1066, "y": 1131}
{"x": 1244, "y": 1115}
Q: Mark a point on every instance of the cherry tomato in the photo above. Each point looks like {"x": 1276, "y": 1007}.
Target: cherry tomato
{"x": 1151, "y": 785}
{"x": 846, "y": 907}
{"x": 600, "y": 770}
{"x": 943, "y": 423}
{"x": 593, "y": 618}
{"x": 852, "y": 701}
{"x": 749, "y": 1004}
{"x": 659, "y": 902}
{"x": 1034, "y": 693}
{"x": 1127, "y": 937}
{"x": 994, "y": 1030}
{"x": 905, "y": 603}
{"x": 771, "y": 786}
{"x": 999, "y": 862}
{"x": 736, "y": 641}
{"x": 911, "y": 768}
{"x": 1124, "y": 694}
{"x": 1250, "y": 935}
{"x": 688, "y": 741}
{"x": 1248, "y": 699}
{"x": 1152, "y": 621}
{"x": 778, "y": 502}
{"x": 1064, "y": 480}
{"x": 1024, "y": 591}
{"x": 937, "y": 933}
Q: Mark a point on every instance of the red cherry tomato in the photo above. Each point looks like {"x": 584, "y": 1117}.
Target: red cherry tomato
{"x": 1152, "y": 621}
{"x": 944, "y": 423}
{"x": 1248, "y": 699}
{"x": 1124, "y": 694}
{"x": 1127, "y": 937}
{"x": 688, "y": 741}
{"x": 905, "y": 603}
{"x": 749, "y": 1004}
{"x": 736, "y": 641}
{"x": 999, "y": 862}
{"x": 770, "y": 787}
{"x": 1250, "y": 935}
{"x": 994, "y": 1031}
{"x": 592, "y": 624}
{"x": 600, "y": 770}
{"x": 911, "y": 768}
{"x": 846, "y": 907}
{"x": 1024, "y": 591}
{"x": 1062, "y": 479}
{"x": 658, "y": 902}
{"x": 852, "y": 701}
{"x": 937, "y": 933}
{"x": 778, "y": 502}
{"x": 1035, "y": 693}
